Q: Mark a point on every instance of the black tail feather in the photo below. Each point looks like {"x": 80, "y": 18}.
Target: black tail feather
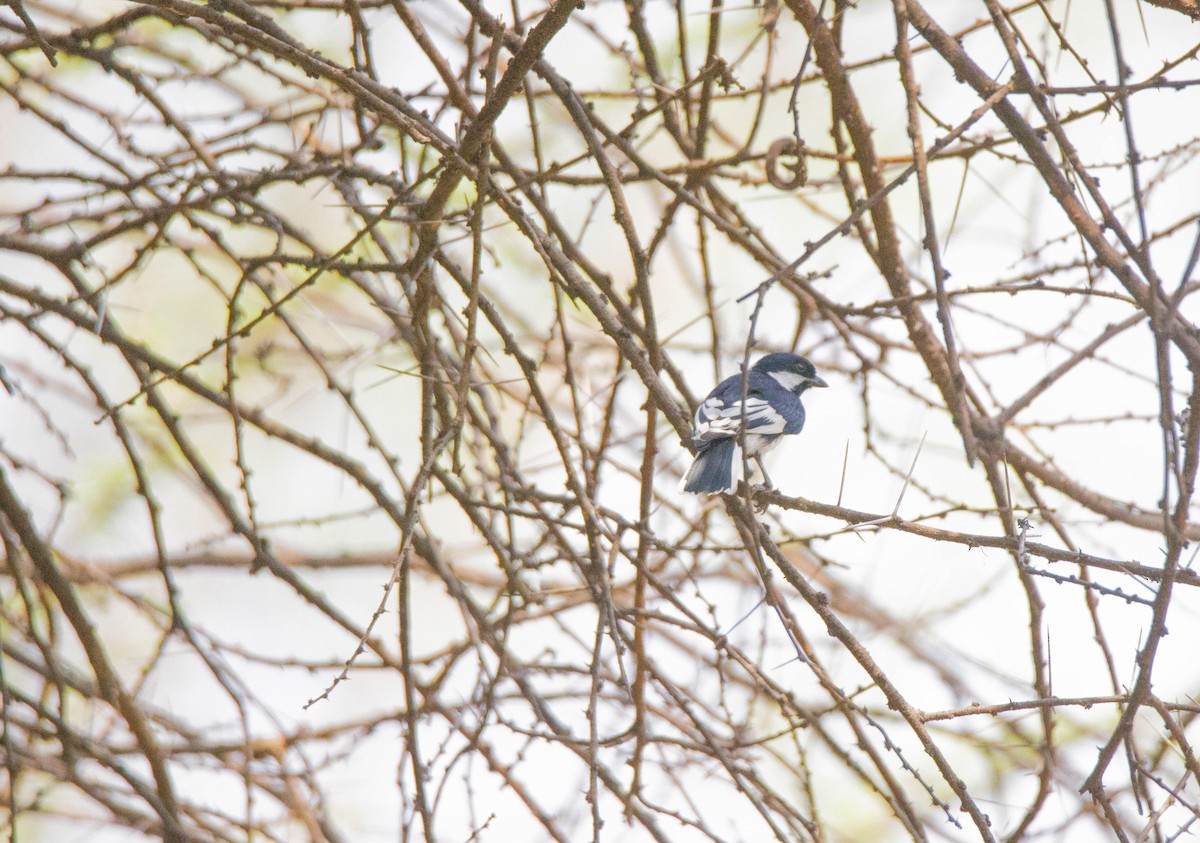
{"x": 715, "y": 469}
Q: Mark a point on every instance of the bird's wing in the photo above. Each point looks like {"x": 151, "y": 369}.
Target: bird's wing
{"x": 721, "y": 415}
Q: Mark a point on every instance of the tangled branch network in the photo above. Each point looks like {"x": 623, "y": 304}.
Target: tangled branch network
{"x": 349, "y": 351}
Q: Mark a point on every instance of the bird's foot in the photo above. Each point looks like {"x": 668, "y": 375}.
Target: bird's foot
{"x": 760, "y": 501}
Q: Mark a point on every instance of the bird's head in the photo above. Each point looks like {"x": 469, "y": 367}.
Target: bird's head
{"x": 793, "y": 372}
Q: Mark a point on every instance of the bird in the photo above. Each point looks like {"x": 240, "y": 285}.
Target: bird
{"x": 771, "y": 409}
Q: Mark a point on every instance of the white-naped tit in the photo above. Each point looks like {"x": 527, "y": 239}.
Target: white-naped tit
{"x": 771, "y": 409}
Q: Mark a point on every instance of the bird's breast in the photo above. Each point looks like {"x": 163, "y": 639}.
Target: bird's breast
{"x": 760, "y": 443}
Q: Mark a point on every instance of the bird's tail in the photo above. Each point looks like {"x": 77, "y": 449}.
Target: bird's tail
{"x": 718, "y": 468}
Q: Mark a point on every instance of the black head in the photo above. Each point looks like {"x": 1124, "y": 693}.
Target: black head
{"x": 793, "y": 372}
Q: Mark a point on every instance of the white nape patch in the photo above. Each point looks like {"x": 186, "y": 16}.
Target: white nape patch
{"x": 788, "y": 380}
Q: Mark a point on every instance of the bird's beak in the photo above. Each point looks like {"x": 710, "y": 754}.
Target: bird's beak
{"x": 816, "y": 381}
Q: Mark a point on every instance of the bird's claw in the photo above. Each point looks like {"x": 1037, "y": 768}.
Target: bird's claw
{"x": 760, "y": 503}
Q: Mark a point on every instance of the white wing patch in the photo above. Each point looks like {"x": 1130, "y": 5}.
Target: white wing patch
{"x": 716, "y": 419}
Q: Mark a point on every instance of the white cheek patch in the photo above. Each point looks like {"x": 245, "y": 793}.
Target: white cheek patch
{"x": 788, "y": 380}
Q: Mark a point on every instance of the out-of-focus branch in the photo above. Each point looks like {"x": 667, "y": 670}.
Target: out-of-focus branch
{"x": 305, "y": 299}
